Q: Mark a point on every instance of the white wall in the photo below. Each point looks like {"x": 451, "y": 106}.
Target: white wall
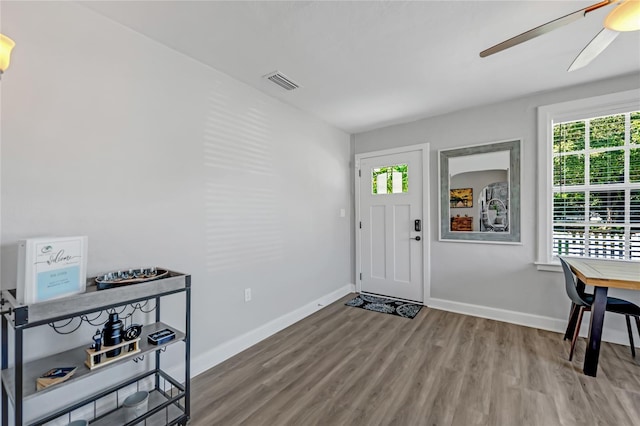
{"x": 499, "y": 281}
{"x": 163, "y": 161}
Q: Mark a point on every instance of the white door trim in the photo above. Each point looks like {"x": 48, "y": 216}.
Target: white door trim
{"x": 426, "y": 228}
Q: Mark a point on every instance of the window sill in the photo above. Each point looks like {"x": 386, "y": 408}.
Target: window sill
{"x": 549, "y": 267}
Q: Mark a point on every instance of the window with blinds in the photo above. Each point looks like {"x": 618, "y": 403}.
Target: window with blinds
{"x": 596, "y": 187}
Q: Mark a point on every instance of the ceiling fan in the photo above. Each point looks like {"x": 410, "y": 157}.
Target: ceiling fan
{"x": 625, "y": 17}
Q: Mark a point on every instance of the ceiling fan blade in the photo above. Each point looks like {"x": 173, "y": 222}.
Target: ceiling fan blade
{"x": 543, "y": 29}
{"x": 594, "y": 48}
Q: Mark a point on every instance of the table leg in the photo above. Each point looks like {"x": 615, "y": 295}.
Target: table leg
{"x": 595, "y": 331}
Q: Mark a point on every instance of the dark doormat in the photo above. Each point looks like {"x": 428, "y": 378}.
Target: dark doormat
{"x": 385, "y": 305}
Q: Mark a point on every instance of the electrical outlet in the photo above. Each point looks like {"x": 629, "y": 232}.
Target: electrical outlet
{"x": 247, "y": 294}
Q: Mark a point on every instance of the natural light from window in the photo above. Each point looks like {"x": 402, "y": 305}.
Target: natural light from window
{"x": 596, "y": 187}
{"x": 389, "y": 179}
{"x": 589, "y": 179}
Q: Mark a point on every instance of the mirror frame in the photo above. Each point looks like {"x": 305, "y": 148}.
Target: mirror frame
{"x": 513, "y": 236}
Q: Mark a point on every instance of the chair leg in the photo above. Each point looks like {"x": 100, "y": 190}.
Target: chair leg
{"x": 568, "y": 334}
{"x": 637, "y": 326}
{"x": 576, "y": 332}
{"x": 633, "y": 346}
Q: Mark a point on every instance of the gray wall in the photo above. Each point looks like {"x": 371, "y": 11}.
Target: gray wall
{"x": 163, "y": 161}
{"x": 488, "y": 278}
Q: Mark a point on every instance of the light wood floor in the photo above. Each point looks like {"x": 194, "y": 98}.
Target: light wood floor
{"x": 348, "y": 366}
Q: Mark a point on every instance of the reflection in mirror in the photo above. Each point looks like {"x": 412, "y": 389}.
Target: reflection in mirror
{"x": 476, "y": 186}
{"x": 494, "y": 207}
{"x": 486, "y": 176}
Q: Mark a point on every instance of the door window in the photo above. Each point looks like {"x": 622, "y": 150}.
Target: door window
{"x": 389, "y": 180}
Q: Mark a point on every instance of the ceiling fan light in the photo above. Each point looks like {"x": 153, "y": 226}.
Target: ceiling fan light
{"x": 625, "y": 17}
{"x": 6, "y": 44}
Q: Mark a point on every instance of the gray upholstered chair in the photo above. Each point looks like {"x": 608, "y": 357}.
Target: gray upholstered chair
{"x": 582, "y": 302}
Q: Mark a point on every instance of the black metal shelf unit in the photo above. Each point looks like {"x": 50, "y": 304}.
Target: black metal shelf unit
{"x": 166, "y": 407}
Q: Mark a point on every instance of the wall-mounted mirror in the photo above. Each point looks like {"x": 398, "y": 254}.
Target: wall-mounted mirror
{"x": 480, "y": 193}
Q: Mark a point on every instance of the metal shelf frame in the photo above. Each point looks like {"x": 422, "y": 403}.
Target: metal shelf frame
{"x": 21, "y": 317}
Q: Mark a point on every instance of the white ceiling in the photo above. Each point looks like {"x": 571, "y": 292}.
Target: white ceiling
{"x": 369, "y": 64}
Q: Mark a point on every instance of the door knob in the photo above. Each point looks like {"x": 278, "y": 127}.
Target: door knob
{"x": 417, "y": 238}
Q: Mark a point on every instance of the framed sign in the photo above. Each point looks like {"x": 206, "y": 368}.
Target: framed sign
{"x": 50, "y": 268}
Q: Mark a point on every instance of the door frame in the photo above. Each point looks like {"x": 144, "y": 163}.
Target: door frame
{"x": 426, "y": 229}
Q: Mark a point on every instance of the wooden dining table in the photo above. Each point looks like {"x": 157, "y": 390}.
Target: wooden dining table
{"x": 602, "y": 274}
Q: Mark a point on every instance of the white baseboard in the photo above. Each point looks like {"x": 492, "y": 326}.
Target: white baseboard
{"x": 513, "y": 317}
{"x": 528, "y": 320}
{"x": 233, "y": 347}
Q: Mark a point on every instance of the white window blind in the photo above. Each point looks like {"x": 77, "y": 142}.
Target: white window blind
{"x": 596, "y": 187}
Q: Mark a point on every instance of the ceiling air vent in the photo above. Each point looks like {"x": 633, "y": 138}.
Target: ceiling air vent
{"x": 282, "y": 80}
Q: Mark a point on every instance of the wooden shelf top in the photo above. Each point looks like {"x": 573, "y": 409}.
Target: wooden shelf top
{"x": 94, "y": 300}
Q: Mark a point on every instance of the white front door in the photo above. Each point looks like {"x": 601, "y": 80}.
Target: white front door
{"x": 391, "y": 224}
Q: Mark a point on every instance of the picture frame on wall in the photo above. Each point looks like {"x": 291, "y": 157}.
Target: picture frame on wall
{"x": 51, "y": 268}
{"x": 462, "y": 197}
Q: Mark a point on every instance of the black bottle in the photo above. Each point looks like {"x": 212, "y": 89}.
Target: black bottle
{"x": 112, "y": 334}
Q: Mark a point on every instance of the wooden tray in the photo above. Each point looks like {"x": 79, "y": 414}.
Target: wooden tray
{"x": 128, "y": 348}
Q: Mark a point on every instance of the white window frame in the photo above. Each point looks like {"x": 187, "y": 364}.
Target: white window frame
{"x": 615, "y": 103}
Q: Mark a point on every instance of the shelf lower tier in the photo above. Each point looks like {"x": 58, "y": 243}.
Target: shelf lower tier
{"x": 166, "y": 416}
{"x": 75, "y": 358}
{"x": 163, "y": 408}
